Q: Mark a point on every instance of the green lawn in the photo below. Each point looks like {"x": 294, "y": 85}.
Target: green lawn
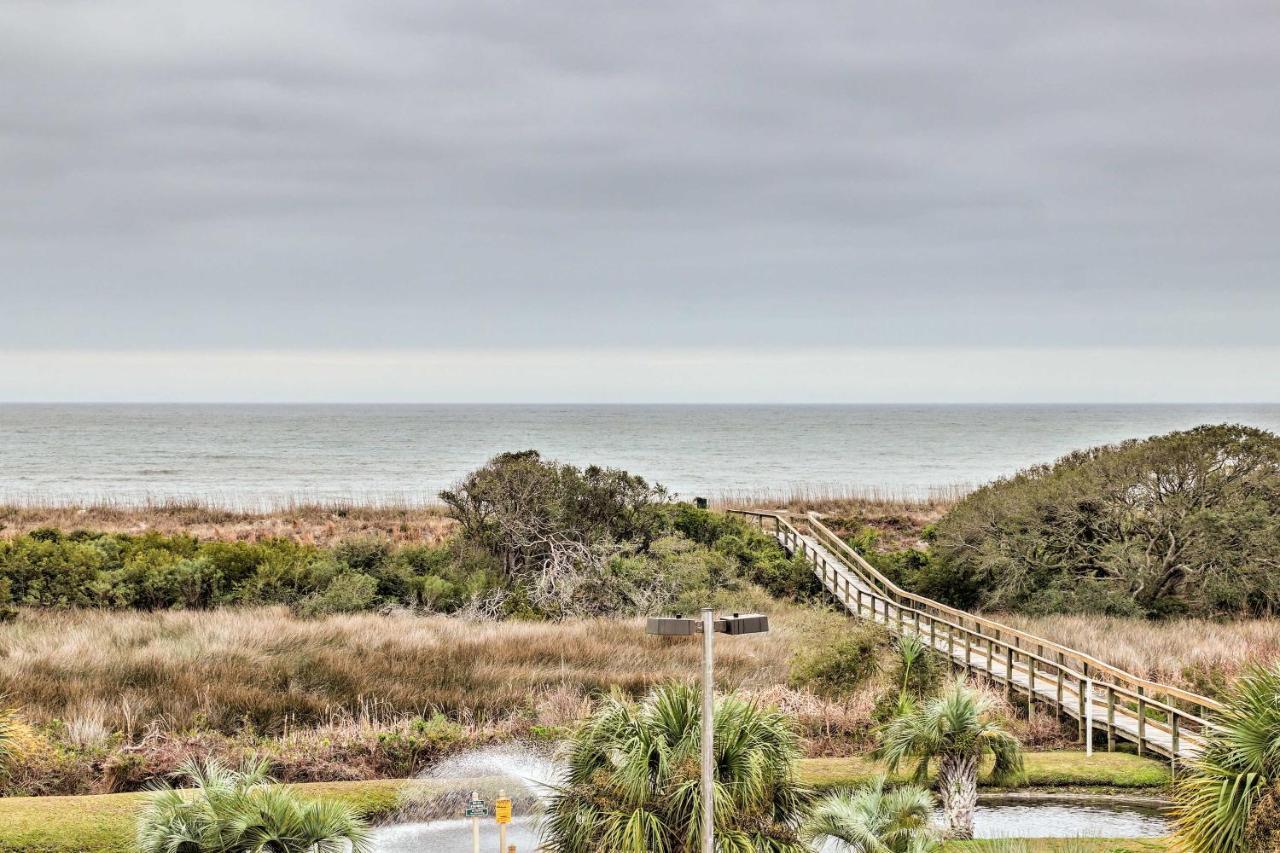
{"x": 1061, "y": 845}
{"x": 1043, "y": 770}
{"x": 104, "y": 823}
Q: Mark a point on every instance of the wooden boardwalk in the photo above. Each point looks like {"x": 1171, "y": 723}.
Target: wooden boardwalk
{"x": 1104, "y": 700}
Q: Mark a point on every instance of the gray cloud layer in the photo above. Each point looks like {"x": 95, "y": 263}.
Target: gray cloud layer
{"x": 399, "y": 173}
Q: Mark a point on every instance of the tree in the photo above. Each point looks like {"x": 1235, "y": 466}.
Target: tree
{"x": 242, "y": 810}
{"x": 873, "y": 820}
{"x": 554, "y": 527}
{"x": 957, "y": 730}
{"x": 632, "y": 784}
{"x": 1229, "y": 800}
{"x": 1188, "y": 521}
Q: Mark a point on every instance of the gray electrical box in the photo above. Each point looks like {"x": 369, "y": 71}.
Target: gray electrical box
{"x": 672, "y": 626}
{"x": 746, "y": 623}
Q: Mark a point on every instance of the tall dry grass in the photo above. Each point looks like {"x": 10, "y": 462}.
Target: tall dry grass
{"x": 269, "y": 670}
{"x": 1196, "y": 654}
{"x": 310, "y": 522}
{"x": 802, "y": 498}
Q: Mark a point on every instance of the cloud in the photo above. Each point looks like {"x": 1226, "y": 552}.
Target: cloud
{"x": 389, "y": 174}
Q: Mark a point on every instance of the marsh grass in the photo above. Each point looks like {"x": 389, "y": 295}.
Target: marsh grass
{"x": 311, "y": 522}
{"x": 1197, "y": 654}
{"x": 267, "y": 669}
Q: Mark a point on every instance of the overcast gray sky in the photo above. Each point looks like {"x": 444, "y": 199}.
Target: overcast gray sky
{"x": 530, "y": 195}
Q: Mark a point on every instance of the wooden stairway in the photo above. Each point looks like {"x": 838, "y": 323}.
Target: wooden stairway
{"x": 1159, "y": 719}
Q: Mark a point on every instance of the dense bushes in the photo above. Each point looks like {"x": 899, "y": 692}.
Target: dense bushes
{"x": 691, "y": 556}
{"x": 47, "y": 568}
{"x": 1183, "y": 523}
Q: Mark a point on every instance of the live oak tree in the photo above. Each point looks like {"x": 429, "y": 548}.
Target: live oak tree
{"x": 553, "y": 526}
{"x": 1185, "y": 522}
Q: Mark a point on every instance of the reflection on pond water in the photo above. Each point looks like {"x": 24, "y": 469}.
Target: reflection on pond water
{"x": 1028, "y": 818}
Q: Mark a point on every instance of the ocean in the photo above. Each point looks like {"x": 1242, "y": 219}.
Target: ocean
{"x": 260, "y": 455}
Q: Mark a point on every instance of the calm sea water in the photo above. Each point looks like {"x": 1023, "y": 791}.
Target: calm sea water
{"x": 262, "y": 454}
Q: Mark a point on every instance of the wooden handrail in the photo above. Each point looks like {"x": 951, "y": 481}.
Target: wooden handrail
{"x": 1095, "y": 665}
{"x": 1023, "y": 652}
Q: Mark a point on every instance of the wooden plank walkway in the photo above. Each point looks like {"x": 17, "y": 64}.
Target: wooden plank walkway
{"x": 1159, "y": 719}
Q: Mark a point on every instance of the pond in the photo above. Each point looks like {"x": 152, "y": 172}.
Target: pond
{"x": 1023, "y": 817}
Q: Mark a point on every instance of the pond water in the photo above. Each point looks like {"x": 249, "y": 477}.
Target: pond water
{"x": 1029, "y": 818}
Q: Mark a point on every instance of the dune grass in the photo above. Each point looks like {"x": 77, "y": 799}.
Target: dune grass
{"x": 316, "y": 523}
{"x": 1202, "y": 655}
{"x": 105, "y": 822}
{"x": 270, "y": 669}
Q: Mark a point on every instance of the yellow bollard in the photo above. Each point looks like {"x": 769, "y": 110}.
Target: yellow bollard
{"x": 502, "y": 814}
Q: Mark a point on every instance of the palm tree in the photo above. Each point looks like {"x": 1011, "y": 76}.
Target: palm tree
{"x": 632, "y": 783}
{"x": 242, "y": 810}
{"x": 1229, "y": 800}
{"x": 873, "y": 820}
{"x": 957, "y": 729}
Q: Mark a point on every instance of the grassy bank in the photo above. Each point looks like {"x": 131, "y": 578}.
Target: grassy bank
{"x": 1043, "y": 770}
{"x": 105, "y": 822}
{"x": 1203, "y": 655}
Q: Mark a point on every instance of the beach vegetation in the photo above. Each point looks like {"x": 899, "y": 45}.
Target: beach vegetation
{"x": 632, "y": 782}
{"x": 1228, "y": 801}
{"x": 1183, "y": 523}
{"x": 957, "y": 729}
{"x": 874, "y": 818}
{"x": 228, "y": 811}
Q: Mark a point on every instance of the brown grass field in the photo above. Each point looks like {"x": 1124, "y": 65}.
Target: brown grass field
{"x": 312, "y": 523}
{"x": 1197, "y": 654}
{"x": 269, "y": 668}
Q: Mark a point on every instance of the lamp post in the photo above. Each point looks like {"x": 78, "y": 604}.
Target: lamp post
{"x": 708, "y": 625}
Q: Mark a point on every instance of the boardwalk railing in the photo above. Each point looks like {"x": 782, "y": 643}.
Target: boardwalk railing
{"x": 1158, "y": 718}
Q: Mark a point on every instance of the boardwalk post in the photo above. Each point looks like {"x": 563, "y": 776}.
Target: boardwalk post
{"x": 1061, "y": 707}
{"x": 1111, "y": 718}
{"x": 1142, "y": 723}
{"x": 968, "y": 650}
{"x": 1173, "y": 752}
{"x": 1031, "y": 686}
{"x": 1008, "y": 672}
{"x": 1080, "y": 697}
{"x": 1088, "y": 709}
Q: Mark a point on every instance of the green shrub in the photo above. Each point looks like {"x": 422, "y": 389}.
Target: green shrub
{"x": 1187, "y": 522}
{"x": 760, "y": 558}
{"x": 839, "y": 667}
{"x": 348, "y": 592}
{"x": 408, "y": 752}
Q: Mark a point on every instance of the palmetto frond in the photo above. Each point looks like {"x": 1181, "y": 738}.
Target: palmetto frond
{"x": 873, "y": 820}
{"x": 241, "y": 810}
{"x": 633, "y": 778}
{"x": 959, "y": 722}
{"x": 1239, "y": 764}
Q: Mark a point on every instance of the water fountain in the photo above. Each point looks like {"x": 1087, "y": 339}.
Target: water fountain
{"x": 429, "y": 818}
